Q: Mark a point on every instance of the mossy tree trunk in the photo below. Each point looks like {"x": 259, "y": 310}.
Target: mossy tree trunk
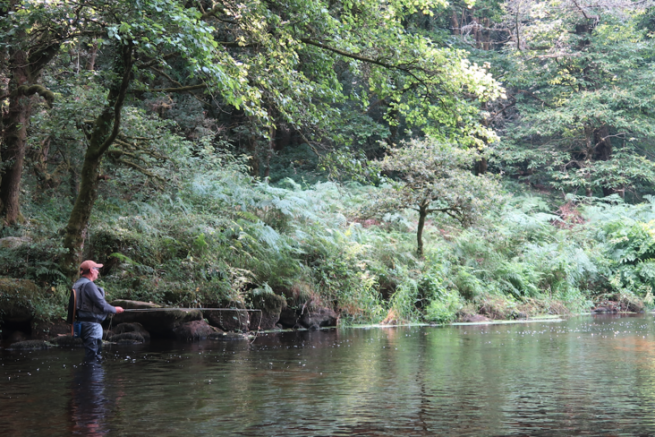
{"x": 103, "y": 133}
{"x": 422, "y": 214}
{"x": 14, "y": 139}
{"x": 24, "y": 71}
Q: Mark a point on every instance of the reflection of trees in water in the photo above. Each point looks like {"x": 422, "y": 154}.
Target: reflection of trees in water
{"x": 88, "y": 404}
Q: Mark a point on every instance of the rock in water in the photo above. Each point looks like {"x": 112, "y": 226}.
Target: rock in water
{"x": 228, "y": 336}
{"x": 30, "y": 345}
{"x": 195, "y": 330}
{"x": 129, "y": 333}
{"x": 159, "y": 321}
{"x": 231, "y": 320}
{"x": 288, "y": 318}
{"x": 134, "y": 304}
{"x": 270, "y": 306}
{"x": 320, "y": 318}
{"x": 67, "y": 341}
{"x": 16, "y": 299}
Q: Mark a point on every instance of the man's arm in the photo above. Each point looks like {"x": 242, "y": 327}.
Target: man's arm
{"x": 98, "y": 299}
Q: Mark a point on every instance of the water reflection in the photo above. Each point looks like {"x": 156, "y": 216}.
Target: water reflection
{"x": 88, "y": 404}
{"x": 585, "y": 376}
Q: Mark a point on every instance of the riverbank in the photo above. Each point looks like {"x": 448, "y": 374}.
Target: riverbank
{"x": 22, "y": 330}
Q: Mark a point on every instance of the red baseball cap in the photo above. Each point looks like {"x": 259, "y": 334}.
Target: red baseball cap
{"x": 87, "y": 265}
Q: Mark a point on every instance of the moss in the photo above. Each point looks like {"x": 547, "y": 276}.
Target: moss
{"x": 269, "y": 302}
{"x": 67, "y": 341}
{"x": 18, "y": 299}
{"x": 31, "y": 345}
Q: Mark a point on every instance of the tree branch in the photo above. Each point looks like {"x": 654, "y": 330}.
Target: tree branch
{"x": 182, "y": 89}
{"x": 25, "y": 90}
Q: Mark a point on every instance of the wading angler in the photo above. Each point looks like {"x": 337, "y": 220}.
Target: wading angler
{"x": 87, "y": 308}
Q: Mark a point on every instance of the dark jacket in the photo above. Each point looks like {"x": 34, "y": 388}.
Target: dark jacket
{"x": 91, "y": 303}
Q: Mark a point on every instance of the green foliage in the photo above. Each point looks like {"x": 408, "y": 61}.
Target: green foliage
{"x": 581, "y": 88}
{"x": 444, "y": 310}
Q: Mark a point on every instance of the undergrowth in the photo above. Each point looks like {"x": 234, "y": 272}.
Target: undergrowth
{"x": 221, "y": 234}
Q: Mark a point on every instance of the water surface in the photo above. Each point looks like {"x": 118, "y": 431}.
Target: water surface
{"x": 583, "y": 376}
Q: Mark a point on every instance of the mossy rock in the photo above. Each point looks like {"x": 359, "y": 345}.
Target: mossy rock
{"x": 17, "y": 297}
{"x": 159, "y": 321}
{"x": 67, "y": 341}
{"x": 42, "y": 330}
{"x": 127, "y": 338}
{"x": 13, "y": 242}
{"x": 175, "y": 296}
{"x": 496, "y": 309}
{"x": 229, "y": 319}
{"x": 104, "y": 242}
{"x": 228, "y": 336}
{"x": 193, "y": 331}
{"x": 31, "y": 345}
{"x": 129, "y": 333}
{"x": 134, "y": 304}
{"x": 271, "y": 306}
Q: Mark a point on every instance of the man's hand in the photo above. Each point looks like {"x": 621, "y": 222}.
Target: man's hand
{"x": 119, "y": 310}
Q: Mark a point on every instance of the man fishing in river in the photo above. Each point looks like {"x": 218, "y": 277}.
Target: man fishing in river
{"x": 92, "y": 309}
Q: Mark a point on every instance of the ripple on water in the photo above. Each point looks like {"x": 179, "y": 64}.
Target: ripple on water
{"x": 584, "y": 376}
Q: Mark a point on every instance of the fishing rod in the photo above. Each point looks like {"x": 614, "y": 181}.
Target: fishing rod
{"x": 200, "y": 309}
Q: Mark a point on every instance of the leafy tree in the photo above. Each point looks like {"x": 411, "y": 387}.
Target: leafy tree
{"x": 28, "y": 47}
{"x": 580, "y": 81}
{"x": 432, "y": 177}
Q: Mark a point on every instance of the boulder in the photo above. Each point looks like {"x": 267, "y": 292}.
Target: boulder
{"x": 16, "y": 297}
{"x": 129, "y": 333}
{"x": 17, "y": 336}
{"x": 157, "y": 321}
{"x": 43, "y": 330}
{"x": 134, "y": 304}
{"x": 67, "y": 341}
{"x": 30, "y": 345}
{"x": 270, "y": 306}
{"x": 229, "y": 320}
{"x": 13, "y": 242}
{"x": 473, "y": 318}
{"x": 321, "y": 317}
{"x": 228, "y": 336}
{"x": 196, "y": 330}
{"x": 289, "y": 318}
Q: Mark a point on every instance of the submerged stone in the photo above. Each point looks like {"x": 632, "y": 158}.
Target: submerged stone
{"x": 16, "y": 299}
{"x": 31, "y": 345}
{"x": 159, "y": 321}
{"x": 195, "y": 330}
{"x": 129, "y": 331}
{"x": 270, "y": 306}
{"x": 319, "y": 318}
{"x": 228, "y": 336}
{"x": 233, "y": 320}
{"x": 67, "y": 341}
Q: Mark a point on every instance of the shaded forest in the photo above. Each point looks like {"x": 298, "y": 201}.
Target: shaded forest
{"x": 394, "y": 160}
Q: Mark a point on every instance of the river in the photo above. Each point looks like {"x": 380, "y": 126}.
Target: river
{"x": 581, "y": 376}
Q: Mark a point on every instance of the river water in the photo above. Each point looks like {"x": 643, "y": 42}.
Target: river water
{"x": 582, "y": 376}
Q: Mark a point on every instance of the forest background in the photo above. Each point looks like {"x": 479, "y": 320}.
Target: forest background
{"x": 414, "y": 160}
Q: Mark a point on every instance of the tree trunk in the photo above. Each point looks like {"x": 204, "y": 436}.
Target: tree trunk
{"x": 105, "y": 129}
{"x": 283, "y": 137}
{"x": 254, "y": 163}
{"x": 13, "y": 150}
{"x": 24, "y": 68}
{"x": 603, "y": 152}
{"x": 422, "y": 213}
{"x": 91, "y": 64}
{"x": 269, "y": 152}
{"x": 480, "y": 166}
{"x": 454, "y": 24}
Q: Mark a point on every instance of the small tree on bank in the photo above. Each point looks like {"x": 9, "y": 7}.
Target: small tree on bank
{"x": 432, "y": 177}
